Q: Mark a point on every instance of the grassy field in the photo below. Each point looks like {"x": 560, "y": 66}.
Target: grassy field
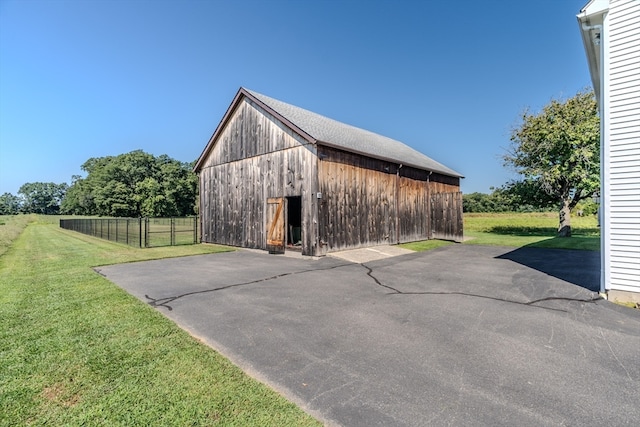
{"x": 530, "y": 229}
{"x": 522, "y": 229}
{"x": 11, "y": 227}
{"x": 77, "y": 350}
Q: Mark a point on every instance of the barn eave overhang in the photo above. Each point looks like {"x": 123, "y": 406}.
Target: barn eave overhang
{"x": 390, "y": 160}
{"x": 591, "y": 22}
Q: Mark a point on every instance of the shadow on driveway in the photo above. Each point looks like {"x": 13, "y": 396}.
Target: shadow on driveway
{"x": 581, "y": 268}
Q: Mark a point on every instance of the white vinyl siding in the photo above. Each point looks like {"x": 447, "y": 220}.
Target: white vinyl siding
{"x": 623, "y": 145}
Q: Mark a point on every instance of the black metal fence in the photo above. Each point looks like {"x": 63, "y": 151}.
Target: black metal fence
{"x": 140, "y": 232}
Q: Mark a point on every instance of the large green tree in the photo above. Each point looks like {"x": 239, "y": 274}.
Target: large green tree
{"x": 42, "y": 197}
{"x": 9, "y": 204}
{"x": 132, "y": 185}
{"x": 526, "y": 195}
{"x": 559, "y": 147}
{"x": 79, "y": 198}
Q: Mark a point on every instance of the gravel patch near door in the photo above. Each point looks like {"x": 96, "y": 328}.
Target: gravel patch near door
{"x": 461, "y": 335}
{"x": 372, "y": 253}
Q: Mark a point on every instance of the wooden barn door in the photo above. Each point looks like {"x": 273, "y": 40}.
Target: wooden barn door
{"x": 275, "y": 225}
{"x": 446, "y": 216}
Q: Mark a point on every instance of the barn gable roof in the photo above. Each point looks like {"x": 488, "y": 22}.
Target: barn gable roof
{"x": 322, "y": 130}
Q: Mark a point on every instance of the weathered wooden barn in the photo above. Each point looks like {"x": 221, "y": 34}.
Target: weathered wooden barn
{"x": 275, "y": 176}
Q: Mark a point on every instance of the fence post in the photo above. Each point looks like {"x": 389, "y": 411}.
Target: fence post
{"x": 195, "y": 229}
{"x": 139, "y": 232}
{"x": 146, "y": 232}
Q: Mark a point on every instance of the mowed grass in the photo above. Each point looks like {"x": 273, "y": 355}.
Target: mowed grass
{"x": 10, "y": 228}
{"x": 77, "y": 350}
{"x": 530, "y": 229}
{"x": 425, "y": 245}
{"x": 521, "y": 229}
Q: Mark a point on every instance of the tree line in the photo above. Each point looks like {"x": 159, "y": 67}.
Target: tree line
{"x": 135, "y": 184}
{"x": 521, "y": 196}
{"x": 515, "y": 196}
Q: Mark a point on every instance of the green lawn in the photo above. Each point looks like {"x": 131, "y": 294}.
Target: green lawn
{"x": 10, "y": 228}
{"x": 531, "y": 229}
{"x": 425, "y": 245}
{"x": 523, "y": 229}
{"x": 77, "y": 350}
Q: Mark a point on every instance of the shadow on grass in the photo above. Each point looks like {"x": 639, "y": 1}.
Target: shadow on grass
{"x": 579, "y": 267}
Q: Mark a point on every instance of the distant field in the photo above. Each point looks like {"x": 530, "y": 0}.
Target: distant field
{"x": 522, "y": 229}
{"x": 530, "y": 229}
{"x": 527, "y": 223}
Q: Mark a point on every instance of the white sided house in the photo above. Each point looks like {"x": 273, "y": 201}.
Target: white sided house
{"x": 611, "y": 34}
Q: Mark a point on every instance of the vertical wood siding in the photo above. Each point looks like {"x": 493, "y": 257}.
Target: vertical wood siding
{"x": 369, "y": 202}
{"x": 254, "y": 158}
{"x": 413, "y": 210}
{"x": 357, "y": 206}
{"x": 446, "y": 216}
{"x": 624, "y": 144}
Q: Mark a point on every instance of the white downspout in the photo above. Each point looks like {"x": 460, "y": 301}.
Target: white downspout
{"x": 603, "y": 210}
{"x": 604, "y": 162}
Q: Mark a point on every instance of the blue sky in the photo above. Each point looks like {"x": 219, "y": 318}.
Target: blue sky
{"x": 82, "y": 79}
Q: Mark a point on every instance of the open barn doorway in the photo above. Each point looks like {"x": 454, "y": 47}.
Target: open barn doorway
{"x": 294, "y": 223}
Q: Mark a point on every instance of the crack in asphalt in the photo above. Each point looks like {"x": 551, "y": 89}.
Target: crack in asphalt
{"x": 378, "y": 282}
{"x": 164, "y": 302}
{"x": 529, "y": 303}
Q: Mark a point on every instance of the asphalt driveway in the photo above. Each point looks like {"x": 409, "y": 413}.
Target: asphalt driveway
{"x": 462, "y": 335}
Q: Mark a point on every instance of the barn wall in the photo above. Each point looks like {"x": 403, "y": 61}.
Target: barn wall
{"x": 446, "y": 216}
{"x": 367, "y": 201}
{"x": 443, "y": 184}
{"x": 255, "y": 157}
{"x": 413, "y": 209}
{"x": 358, "y": 204}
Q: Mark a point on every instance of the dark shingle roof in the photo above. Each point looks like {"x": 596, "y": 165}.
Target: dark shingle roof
{"x": 350, "y": 138}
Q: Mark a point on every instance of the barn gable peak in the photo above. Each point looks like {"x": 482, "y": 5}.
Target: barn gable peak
{"x": 318, "y": 129}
